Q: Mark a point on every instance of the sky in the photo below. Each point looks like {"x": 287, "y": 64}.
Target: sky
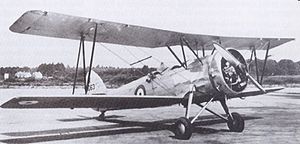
{"x": 246, "y": 18}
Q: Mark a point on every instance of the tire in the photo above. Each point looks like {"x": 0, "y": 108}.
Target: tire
{"x": 183, "y": 128}
{"x": 140, "y": 90}
{"x": 237, "y": 124}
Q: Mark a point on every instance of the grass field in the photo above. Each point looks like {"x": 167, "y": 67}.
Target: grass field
{"x": 286, "y": 80}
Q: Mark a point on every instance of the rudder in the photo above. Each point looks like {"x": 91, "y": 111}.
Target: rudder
{"x": 96, "y": 85}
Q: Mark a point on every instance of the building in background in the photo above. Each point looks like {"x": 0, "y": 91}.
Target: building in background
{"x": 23, "y": 75}
{"x": 6, "y": 76}
{"x": 37, "y": 75}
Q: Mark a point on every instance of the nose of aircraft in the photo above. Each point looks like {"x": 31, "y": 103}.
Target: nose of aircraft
{"x": 237, "y": 64}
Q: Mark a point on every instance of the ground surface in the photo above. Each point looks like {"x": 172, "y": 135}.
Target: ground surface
{"x": 272, "y": 118}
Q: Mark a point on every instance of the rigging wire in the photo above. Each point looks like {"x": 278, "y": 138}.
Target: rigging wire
{"x": 132, "y": 66}
{"x": 156, "y": 60}
{"x": 115, "y": 54}
{"x": 151, "y": 55}
{"x": 164, "y": 86}
{"x": 133, "y": 55}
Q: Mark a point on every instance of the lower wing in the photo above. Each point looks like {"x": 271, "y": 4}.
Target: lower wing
{"x": 107, "y": 101}
{"x": 256, "y": 92}
{"x": 92, "y": 101}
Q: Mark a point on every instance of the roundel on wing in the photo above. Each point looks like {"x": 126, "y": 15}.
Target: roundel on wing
{"x": 140, "y": 90}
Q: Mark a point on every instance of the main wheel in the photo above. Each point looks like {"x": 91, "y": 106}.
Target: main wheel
{"x": 236, "y": 124}
{"x": 183, "y": 128}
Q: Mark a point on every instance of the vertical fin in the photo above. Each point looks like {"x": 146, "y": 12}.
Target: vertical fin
{"x": 96, "y": 85}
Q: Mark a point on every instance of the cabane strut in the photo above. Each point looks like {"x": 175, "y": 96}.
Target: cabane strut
{"x": 184, "y": 64}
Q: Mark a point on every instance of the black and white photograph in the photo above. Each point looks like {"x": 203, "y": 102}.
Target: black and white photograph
{"x": 150, "y": 71}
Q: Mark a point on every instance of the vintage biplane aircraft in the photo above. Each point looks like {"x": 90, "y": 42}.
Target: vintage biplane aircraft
{"x": 219, "y": 76}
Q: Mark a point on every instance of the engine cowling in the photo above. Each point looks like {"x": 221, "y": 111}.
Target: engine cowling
{"x": 225, "y": 77}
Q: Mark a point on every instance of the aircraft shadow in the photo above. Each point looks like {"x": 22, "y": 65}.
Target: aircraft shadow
{"x": 83, "y": 118}
{"x": 119, "y": 127}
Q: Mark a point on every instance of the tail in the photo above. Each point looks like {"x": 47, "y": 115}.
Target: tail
{"x": 96, "y": 85}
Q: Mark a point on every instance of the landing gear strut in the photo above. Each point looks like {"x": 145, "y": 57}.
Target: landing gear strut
{"x": 101, "y": 116}
{"x": 183, "y": 127}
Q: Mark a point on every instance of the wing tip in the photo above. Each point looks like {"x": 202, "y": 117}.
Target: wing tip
{"x": 12, "y": 28}
{"x": 287, "y": 39}
{"x": 22, "y": 24}
{"x": 10, "y": 103}
{"x": 274, "y": 89}
{"x": 4, "y": 105}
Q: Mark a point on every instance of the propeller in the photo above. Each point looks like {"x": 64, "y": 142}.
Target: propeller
{"x": 236, "y": 63}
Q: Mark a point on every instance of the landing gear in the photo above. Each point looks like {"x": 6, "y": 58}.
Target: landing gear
{"x": 101, "y": 116}
{"x": 183, "y": 128}
{"x": 236, "y": 123}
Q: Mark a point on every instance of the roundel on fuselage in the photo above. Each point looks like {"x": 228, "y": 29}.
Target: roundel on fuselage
{"x": 140, "y": 90}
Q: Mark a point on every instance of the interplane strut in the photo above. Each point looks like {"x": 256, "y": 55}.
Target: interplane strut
{"x": 82, "y": 46}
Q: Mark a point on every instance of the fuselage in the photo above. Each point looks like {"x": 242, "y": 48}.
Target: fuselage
{"x": 209, "y": 77}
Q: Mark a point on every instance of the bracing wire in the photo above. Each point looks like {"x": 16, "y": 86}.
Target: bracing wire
{"x": 152, "y": 56}
{"x": 158, "y": 61}
{"x": 133, "y": 55}
{"x": 115, "y": 54}
{"x": 162, "y": 84}
{"x": 132, "y": 66}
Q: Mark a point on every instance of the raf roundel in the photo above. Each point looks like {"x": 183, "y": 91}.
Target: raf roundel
{"x": 140, "y": 90}
{"x": 28, "y": 102}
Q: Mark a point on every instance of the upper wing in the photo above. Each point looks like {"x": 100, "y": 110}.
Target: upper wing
{"x": 255, "y": 92}
{"x": 92, "y": 101}
{"x": 64, "y": 26}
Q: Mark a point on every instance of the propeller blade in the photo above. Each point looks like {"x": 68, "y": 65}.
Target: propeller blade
{"x": 227, "y": 55}
{"x": 255, "y": 83}
{"x": 236, "y": 63}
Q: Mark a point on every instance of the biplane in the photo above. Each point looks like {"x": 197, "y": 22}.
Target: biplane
{"x": 218, "y": 76}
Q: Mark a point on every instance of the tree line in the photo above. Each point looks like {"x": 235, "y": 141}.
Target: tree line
{"x": 113, "y": 77}
{"x": 273, "y": 68}
{"x": 57, "y": 74}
